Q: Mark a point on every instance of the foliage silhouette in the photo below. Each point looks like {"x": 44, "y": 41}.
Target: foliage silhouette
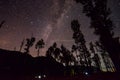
{"x": 105, "y": 56}
{"x": 50, "y": 51}
{"x": 98, "y": 12}
{"x": 30, "y": 42}
{"x": 40, "y": 44}
{"x": 62, "y": 54}
{"x": 67, "y": 56}
{"x": 80, "y": 46}
{"x": 95, "y": 58}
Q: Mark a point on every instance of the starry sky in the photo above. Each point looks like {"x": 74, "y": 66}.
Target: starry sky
{"x": 47, "y": 19}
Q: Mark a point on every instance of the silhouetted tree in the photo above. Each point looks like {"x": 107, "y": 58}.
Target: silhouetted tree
{"x": 61, "y": 55}
{"x": 66, "y": 57}
{"x": 84, "y": 54}
{"x": 53, "y": 51}
{"x": 40, "y": 44}
{"x": 57, "y": 53}
{"x": 54, "y": 45}
{"x": 95, "y": 58}
{"x": 30, "y": 42}
{"x": 92, "y": 47}
{"x": 50, "y": 51}
{"x": 98, "y": 12}
{"x": 105, "y": 56}
{"x": 21, "y": 46}
{"x": 74, "y": 49}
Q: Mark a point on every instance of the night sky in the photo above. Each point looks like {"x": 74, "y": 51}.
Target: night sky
{"x": 47, "y": 19}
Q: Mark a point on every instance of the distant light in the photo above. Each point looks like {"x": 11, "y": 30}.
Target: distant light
{"x": 39, "y": 77}
{"x": 86, "y": 73}
{"x": 44, "y": 76}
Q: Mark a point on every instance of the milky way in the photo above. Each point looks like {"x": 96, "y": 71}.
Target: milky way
{"x": 47, "y": 19}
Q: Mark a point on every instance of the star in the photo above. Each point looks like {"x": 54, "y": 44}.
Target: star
{"x": 47, "y": 19}
{"x": 67, "y": 16}
{"x": 31, "y": 22}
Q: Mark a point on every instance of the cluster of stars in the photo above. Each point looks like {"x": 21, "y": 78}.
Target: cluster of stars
{"x": 47, "y": 19}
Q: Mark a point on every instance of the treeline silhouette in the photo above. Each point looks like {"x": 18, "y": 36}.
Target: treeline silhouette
{"x": 58, "y": 61}
{"x": 17, "y": 63}
{"x": 99, "y": 14}
{"x": 95, "y": 57}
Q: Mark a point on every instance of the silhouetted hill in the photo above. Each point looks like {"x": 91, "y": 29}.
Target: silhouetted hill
{"x": 48, "y": 66}
{"x": 20, "y": 66}
{"x": 13, "y": 62}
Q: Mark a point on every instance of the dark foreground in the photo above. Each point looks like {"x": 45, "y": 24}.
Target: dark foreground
{"x": 20, "y": 66}
{"x": 97, "y": 76}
